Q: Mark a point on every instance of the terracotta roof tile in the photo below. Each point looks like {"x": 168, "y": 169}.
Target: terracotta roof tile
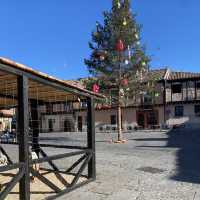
{"x": 75, "y": 83}
{"x": 158, "y": 74}
{"x": 183, "y": 75}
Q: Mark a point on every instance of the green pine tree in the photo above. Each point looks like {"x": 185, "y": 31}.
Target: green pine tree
{"x": 122, "y": 70}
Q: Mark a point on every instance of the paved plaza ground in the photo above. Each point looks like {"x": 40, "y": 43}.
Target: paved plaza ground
{"x": 149, "y": 166}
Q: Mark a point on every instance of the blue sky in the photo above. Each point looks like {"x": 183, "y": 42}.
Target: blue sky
{"x": 52, "y": 35}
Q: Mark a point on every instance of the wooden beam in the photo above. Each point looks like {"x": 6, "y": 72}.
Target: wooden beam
{"x": 11, "y": 184}
{"x": 57, "y": 84}
{"x": 78, "y": 175}
{"x": 23, "y": 127}
{"x": 45, "y": 181}
{"x": 91, "y": 137}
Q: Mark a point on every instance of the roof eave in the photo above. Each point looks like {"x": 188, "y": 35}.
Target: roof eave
{"x": 27, "y": 69}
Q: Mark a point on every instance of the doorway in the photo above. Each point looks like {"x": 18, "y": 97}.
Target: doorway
{"x": 67, "y": 126}
{"x": 50, "y": 122}
{"x": 80, "y": 123}
{"x": 141, "y": 119}
{"x": 148, "y": 119}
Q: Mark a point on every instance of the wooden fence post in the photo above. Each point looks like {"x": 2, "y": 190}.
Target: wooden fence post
{"x": 23, "y": 129}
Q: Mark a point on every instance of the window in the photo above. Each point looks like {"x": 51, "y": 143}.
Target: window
{"x": 198, "y": 85}
{"x": 176, "y": 88}
{"x": 83, "y": 104}
{"x": 148, "y": 99}
{"x": 179, "y": 111}
{"x": 67, "y": 106}
{"x": 113, "y": 119}
{"x": 49, "y": 108}
{"x": 197, "y": 110}
{"x": 51, "y": 122}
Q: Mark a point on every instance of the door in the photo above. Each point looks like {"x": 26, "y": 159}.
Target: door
{"x": 141, "y": 119}
{"x": 50, "y": 125}
{"x": 148, "y": 119}
{"x": 152, "y": 119}
{"x": 80, "y": 123}
{"x": 67, "y": 126}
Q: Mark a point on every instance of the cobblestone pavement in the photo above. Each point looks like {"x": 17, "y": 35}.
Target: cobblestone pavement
{"x": 149, "y": 166}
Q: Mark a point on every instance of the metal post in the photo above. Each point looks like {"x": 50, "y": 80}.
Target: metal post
{"x": 91, "y": 137}
{"x": 23, "y": 124}
{"x": 35, "y": 127}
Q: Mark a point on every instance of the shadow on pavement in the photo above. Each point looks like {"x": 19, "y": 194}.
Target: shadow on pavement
{"x": 187, "y": 142}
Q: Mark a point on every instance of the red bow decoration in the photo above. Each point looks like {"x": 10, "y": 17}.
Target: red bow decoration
{"x": 120, "y": 45}
{"x": 95, "y": 88}
{"x": 125, "y": 82}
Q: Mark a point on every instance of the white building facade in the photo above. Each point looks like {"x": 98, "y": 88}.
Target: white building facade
{"x": 178, "y": 103}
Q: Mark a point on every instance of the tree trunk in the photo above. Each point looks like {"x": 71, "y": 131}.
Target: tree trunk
{"x": 119, "y": 122}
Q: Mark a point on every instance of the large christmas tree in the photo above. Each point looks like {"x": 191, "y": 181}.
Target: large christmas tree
{"x": 118, "y": 58}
